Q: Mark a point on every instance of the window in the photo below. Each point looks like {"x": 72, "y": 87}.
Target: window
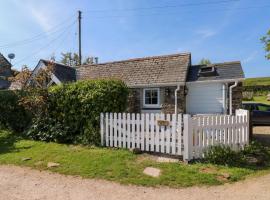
{"x": 262, "y": 107}
{"x": 151, "y": 97}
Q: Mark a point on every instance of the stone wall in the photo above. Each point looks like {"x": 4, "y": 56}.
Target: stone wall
{"x": 135, "y": 100}
{"x": 168, "y": 104}
{"x": 237, "y": 96}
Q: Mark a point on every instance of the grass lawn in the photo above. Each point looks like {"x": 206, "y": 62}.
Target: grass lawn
{"x": 257, "y": 81}
{"x": 110, "y": 164}
{"x": 259, "y": 99}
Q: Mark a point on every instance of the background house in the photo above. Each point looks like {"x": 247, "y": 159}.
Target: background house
{"x": 60, "y": 73}
{"x": 156, "y": 82}
{"x": 5, "y": 72}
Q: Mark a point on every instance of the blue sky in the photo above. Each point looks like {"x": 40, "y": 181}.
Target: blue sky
{"x": 220, "y": 30}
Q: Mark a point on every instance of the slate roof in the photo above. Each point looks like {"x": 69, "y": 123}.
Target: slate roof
{"x": 227, "y": 70}
{"x": 139, "y": 72}
{"x": 4, "y": 62}
{"x": 5, "y": 72}
{"x": 63, "y": 72}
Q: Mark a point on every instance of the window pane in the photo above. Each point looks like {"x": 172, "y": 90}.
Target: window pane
{"x": 148, "y": 94}
{"x": 147, "y": 100}
{"x": 154, "y": 93}
{"x": 155, "y": 100}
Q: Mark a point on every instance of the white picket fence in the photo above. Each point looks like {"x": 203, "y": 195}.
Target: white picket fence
{"x": 181, "y": 135}
{"x": 143, "y": 131}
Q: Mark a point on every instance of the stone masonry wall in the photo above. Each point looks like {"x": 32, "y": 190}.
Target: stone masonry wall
{"x": 135, "y": 100}
{"x": 236, "y": 96}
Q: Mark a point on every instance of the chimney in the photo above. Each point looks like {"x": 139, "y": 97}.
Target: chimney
{"x": 96, "y": 60}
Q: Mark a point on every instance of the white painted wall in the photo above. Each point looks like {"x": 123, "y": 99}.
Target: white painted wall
{"x": 205, "y": 98}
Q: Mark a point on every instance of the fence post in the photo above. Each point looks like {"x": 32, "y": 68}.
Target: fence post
{"x": 188, "y": 138}
{"x": 101, "y": 129}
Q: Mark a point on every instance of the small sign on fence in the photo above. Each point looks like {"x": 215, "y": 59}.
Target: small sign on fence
{"x": 163, "y": 122}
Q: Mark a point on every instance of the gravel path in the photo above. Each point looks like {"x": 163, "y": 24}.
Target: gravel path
{"x": 23, "y": 183}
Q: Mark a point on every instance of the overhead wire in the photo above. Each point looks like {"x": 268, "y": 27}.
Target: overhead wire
{"x": 39, "y": 36}
{"x": 45, "y": 46}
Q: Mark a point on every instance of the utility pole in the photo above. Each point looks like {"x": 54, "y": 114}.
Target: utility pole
{"x": 80, "y": 34}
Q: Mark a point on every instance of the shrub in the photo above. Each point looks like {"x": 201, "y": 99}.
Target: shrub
{"x": 13, "y": 115}
{"x": 252, "y": 154}
{"x": 248, "y": 95}
{"x": 223, "y": 155}
{"x": 75, "y": 110}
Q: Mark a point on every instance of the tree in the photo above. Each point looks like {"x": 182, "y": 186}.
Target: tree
{"x": 204, "y": 61}
{"x": 72, "y": 59}
{"x": 34, "y": 93}
{"x": 266, "y": 41}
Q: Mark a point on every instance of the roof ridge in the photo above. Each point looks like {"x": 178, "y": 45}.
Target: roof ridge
{"x": 67, "y": 66}
{"x": 139, "y": 59}
{"x": 219, "y": 63}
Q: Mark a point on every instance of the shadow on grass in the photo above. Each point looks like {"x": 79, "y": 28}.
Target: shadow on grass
{"x": 7, "y": 142}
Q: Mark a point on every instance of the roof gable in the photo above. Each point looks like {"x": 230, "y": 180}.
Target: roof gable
{"x": 62, "y": 72}
{"x": 148, "y": 71}
{"x": 224, "y": 71}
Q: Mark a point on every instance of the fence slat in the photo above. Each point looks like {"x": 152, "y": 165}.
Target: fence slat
{"x": 133, "y": 131}
{"x": 174, "y": 134}
{"x": 152, "y": 136}
{"x": 157, "y": 133}
{"x": 142, "y": 135}
{"x": 128, "y": 131}
{"x": 106, "y": 129}
{"x": 147, "y": 132}
{"x": 124, "y": 138}
{"x": 138, "y": 131}
{"x": 102, "y": 128}
{"x": 179, "y": 133}
{"x": 168, "y": 135}
{"x": 162, "y": 135}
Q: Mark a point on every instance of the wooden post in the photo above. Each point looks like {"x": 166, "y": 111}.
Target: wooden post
{"x": 101, "y": 129}
{"x": 188, "y": 138}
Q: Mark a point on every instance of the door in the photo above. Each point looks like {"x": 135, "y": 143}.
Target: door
{"x": 205, "y": 98}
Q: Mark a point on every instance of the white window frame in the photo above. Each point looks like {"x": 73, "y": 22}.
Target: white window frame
{"x": 151, "y": 105}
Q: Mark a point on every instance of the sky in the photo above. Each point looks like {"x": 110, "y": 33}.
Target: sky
{"x": 219, "y": 30}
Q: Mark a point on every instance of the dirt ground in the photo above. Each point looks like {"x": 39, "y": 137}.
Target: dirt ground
{"x": 18, "y": 183}
{"x": 23, "y": 183}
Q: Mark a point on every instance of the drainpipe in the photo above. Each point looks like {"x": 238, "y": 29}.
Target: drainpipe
{"x": 175, "y": 98}
{"x": 231, "y": 87}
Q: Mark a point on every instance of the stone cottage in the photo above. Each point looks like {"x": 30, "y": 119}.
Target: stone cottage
{"x": 171, "y": 84}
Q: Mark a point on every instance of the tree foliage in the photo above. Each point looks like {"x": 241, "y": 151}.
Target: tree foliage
{"x": 204, "y": 61}
{"x": 72, "y": 59}
{"x": 266, "y": 41}
{"x": 74, "y": 110}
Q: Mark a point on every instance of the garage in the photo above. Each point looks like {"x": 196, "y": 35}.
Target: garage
{"x": 204, "y": 98}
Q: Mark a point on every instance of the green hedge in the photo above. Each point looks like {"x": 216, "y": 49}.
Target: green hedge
{"x": 74, "y": 111}
{"x": 13, "y": 115}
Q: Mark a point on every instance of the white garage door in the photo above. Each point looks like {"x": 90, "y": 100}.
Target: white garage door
{"x": 204, "y": 98}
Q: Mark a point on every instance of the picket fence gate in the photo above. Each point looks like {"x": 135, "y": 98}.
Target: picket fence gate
{"x": 181, "y": 135}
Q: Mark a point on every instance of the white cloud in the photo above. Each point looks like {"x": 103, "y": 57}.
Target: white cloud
{"x": 206, "y": 33}
{"x": 38, "y": 12}
{"x": 250, "y": 57}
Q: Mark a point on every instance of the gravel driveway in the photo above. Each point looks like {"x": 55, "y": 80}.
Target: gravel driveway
{"x": 23, "y": 183}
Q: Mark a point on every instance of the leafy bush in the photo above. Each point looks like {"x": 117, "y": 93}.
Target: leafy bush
{"x": 252, "y": 154}
{"x": 13, "y": 116}
{"x": 223, "y": 155}
{"x": 248, "y": 95}
{"x": 258, "y": 151}
{"x": 74, "y": 110}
